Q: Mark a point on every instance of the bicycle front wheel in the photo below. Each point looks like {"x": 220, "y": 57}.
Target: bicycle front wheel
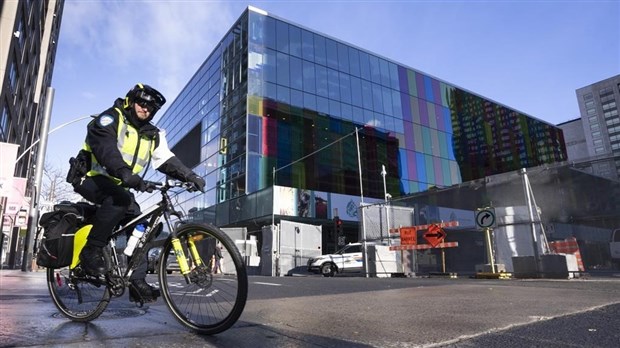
{"x": 213, "y": 299}
{"x": 79, "y": 298}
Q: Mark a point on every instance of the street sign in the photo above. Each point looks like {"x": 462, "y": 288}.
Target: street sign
{"x": 408, "y": 236}
{"x": 434, "y": 235}
{"x": 485, "y": 218}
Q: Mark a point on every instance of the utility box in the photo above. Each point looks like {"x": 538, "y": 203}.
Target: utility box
{"x": 248, "y": 250}
{"x": 382, "y": 262}
{"x": 287, "y": 249}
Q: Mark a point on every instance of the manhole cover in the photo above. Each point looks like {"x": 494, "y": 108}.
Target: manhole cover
{"x": 113, "y": 313}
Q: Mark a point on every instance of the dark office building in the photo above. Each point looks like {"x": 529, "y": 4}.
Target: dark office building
{"x": 28, "y": 35}
{"x": 278, "y": 104}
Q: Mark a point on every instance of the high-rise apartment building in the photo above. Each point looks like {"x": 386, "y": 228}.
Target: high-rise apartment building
{"x": 28, "y": 34}
{"x": 29, "y": 31}
{"x": 270, "y": 121}
{"x": 576, "y": 147}
{"x": 598, "y": 106}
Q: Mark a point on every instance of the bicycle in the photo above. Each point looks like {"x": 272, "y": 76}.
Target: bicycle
{"x": 198, "y": 299}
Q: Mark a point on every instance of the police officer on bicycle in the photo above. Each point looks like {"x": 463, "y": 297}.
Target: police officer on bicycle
{"x": 120, "y": 143}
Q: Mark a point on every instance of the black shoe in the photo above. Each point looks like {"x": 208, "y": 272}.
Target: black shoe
{"x": 141, "y": 291}
{"x": 92, "y": 260}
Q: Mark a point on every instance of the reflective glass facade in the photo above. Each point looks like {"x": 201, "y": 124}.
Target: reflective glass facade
{"x": 274, "y": 95}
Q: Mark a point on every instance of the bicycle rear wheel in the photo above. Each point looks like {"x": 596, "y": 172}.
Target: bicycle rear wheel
{"x": 79, "y": 298}
{"x": 210, "y": 303}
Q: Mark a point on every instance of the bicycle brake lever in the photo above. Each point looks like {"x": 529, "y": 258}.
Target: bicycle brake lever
{"x": 191, "y": 187}
{"x": 150, "y": 187}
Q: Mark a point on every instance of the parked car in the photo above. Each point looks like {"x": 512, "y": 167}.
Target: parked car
{"x": 347, "y": 259}
{"x": 173, "y": 264}
{"x": 152, "y": 259}
{"x": 152, "y": 256}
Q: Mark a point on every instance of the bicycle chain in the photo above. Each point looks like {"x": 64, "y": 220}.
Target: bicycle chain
{"x": 116, "y": 285}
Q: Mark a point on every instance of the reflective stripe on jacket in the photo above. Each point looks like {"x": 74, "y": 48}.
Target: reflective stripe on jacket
{"x": 136, "y": 150}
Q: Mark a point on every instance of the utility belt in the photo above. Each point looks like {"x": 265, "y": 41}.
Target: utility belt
{"x": 78, "y": 167}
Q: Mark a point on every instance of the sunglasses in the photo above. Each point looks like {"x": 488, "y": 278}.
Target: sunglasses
{"x": 149, "y": 105}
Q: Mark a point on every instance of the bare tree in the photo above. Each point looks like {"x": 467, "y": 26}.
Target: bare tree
{"x": 54, "y": 188}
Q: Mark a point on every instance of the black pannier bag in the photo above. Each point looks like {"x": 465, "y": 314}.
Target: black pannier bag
{"x": 59, "y": 226}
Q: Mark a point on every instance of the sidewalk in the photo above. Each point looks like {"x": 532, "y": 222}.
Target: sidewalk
{"x": 18, "y": 283}
{"x": 28, "y": 318}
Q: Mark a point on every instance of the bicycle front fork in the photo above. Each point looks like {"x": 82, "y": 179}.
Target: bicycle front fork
{"x": 180, "y": 254}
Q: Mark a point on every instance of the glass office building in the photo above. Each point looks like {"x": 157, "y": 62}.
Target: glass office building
{"x": 270, "y": 121}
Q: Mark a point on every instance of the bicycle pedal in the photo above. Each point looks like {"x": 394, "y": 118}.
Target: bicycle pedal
{"x": 136, "y": 296}
{"x": 78, "y": 271}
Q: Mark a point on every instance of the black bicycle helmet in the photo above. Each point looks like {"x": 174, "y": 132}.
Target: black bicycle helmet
{"x": 147, "y": 94}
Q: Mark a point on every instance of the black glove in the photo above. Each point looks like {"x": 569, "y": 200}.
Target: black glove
{"x": 133, "y": 181}
{"x": 136, "y": 183}
{"x": 176, "y": 169}
{"x": 197, "y": 181}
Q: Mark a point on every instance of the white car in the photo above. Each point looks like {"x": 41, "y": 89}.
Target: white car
{"x": 347, "y": 259}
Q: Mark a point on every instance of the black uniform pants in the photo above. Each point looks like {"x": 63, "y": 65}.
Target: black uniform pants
{"x": 115, "y": 203}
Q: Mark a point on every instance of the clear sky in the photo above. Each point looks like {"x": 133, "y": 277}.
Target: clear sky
{"x": 530, "y": 55}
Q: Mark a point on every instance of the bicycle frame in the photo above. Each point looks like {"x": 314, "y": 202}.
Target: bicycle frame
{"x": 204, "y": 302}
{"x": 154, "y": 214}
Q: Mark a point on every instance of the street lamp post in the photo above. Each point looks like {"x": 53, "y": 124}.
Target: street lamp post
{"x": 528, "y": 198}
{"x": 383, "y": 174}
{"x": 36, "y": 188}
{"x": 52, "y": 131}
{"x": 386, "y": 196}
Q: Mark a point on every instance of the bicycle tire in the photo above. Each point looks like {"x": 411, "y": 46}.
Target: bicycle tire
{"x": 210, "y": 303}
{"x": 80, "y": 299}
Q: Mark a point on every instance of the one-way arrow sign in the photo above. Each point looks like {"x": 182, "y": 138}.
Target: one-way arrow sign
{"x": 434, "y": 235}
{"x": 485, "y": 218}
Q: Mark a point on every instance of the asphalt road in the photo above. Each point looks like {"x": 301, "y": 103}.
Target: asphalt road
{"x": 341, "y": 312}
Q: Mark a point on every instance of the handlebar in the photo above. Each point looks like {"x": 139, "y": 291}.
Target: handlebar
{"x": 170, "y": 183}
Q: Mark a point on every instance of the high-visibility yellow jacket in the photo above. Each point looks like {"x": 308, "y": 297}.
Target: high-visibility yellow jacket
{"x": 116, "y": 145}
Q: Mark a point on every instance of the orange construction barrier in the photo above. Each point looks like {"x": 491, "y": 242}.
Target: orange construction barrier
{"x": 568, "y": 246}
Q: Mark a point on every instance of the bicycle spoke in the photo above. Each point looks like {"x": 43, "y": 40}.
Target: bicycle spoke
{"x": 77, "y": 298}
{"x": 209, "y": 303}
